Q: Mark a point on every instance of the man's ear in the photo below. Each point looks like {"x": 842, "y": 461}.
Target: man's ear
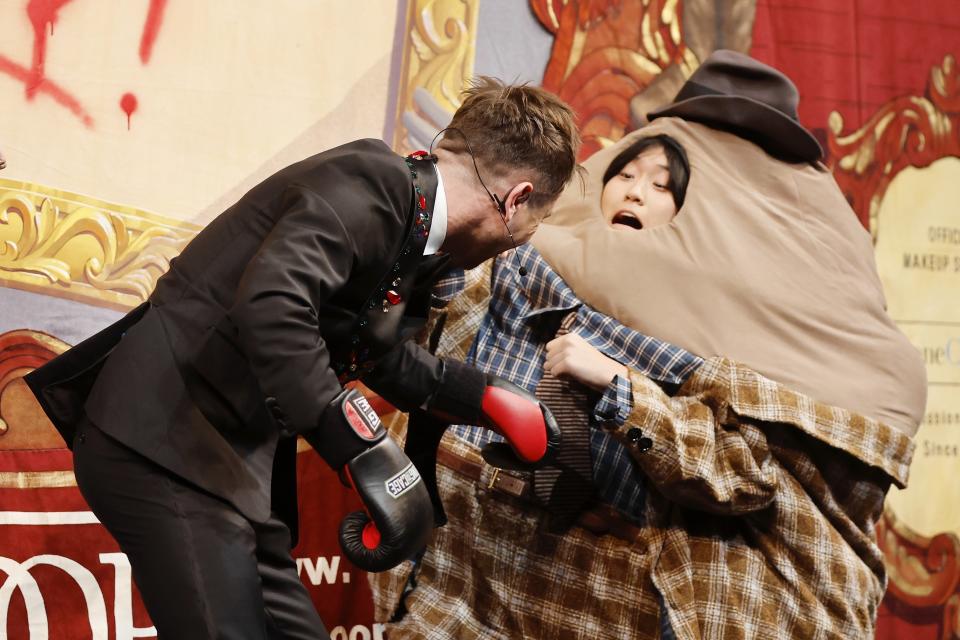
{"x": 516, "y": 197}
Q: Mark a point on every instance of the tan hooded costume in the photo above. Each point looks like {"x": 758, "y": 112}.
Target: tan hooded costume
{"x": 765, "y": 264}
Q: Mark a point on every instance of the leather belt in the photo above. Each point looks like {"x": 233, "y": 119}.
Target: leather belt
{"x": 600, "y": 520}
{"x": 497, "y": 480}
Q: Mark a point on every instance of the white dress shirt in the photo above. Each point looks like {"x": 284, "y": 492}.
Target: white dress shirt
{"x": 438, "y": 228}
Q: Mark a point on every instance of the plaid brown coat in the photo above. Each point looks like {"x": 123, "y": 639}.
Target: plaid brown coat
{"x": 760, "y": 523}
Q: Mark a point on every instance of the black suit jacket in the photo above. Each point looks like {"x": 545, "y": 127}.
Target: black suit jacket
{"x": 233, "y": 354}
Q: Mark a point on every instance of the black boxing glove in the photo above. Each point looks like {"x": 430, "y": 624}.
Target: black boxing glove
{"x": 398, "y": 516}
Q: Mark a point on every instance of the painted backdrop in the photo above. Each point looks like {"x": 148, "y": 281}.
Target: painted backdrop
{"x": 127, "y": 126}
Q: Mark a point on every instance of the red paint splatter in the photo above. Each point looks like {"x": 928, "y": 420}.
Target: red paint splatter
{"x": 60, "y": 95}
{"x": 151, "y": 27}
{"x": 41, "y": 13}
{"x": 129, "y": 104}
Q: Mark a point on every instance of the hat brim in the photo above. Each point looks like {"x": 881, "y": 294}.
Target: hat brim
{"x": 776, "y": 132}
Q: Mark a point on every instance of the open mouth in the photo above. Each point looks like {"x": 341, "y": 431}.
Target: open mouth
{"x": 627, "y": 219}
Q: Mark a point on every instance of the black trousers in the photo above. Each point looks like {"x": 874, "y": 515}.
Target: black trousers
{"x": 203, "y": 570}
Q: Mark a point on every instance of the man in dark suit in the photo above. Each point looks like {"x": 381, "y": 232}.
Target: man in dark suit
{"x": 183, "y": 416}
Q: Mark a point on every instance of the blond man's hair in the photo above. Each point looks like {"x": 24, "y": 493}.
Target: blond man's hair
{"x": 517, "y": 127}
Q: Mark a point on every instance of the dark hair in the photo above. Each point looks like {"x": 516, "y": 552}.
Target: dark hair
{"x": 511, "y": 126}
{"x": 677, "y": 163}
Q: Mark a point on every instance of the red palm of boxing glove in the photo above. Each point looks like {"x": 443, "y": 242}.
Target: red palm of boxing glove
{"x": 466, "y": 395}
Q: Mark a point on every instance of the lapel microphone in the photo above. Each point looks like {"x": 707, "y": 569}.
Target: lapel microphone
{"x": 502, "y": 209}
{"x": 501, "y": 205}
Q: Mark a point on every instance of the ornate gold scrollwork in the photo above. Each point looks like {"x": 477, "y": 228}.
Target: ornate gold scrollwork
{"x": 438, "y": 54}
{"x": 908, "y": 131}
{"x": 924, "y": 571}
{"x": 23, "y": 425}
{"x": 72, "y": 246}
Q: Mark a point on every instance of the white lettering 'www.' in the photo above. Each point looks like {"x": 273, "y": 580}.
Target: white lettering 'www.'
{"x": 323, "y": 571}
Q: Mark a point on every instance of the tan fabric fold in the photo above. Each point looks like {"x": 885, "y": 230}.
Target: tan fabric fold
{"x": 765, "y": 264}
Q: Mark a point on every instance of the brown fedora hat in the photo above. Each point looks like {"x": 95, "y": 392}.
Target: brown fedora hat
{"x": 734, "y": 92}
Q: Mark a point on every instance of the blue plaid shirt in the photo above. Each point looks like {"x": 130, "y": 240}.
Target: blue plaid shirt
{"x": 511, "y": 343}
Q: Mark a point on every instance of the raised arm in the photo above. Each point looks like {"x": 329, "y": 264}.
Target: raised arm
{"x": 697, "y": 451}
{"x": 693, "y": 448}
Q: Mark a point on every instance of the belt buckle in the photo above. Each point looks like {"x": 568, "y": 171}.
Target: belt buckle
{"x": 493, "y": 478}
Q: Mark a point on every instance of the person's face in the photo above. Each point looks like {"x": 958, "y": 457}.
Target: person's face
{"x": 638, "y": 197}
{"x": 489, "y": 232}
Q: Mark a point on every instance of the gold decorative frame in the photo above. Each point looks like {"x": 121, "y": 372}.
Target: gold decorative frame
{"x": 910, "y": 131}
{"x": 72, "y": 246}
{"x": 924, "y": 572}
{"x": 68, "y": 246}
{"x": 438, "y": 53}
{"x": 23, "y": 425}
